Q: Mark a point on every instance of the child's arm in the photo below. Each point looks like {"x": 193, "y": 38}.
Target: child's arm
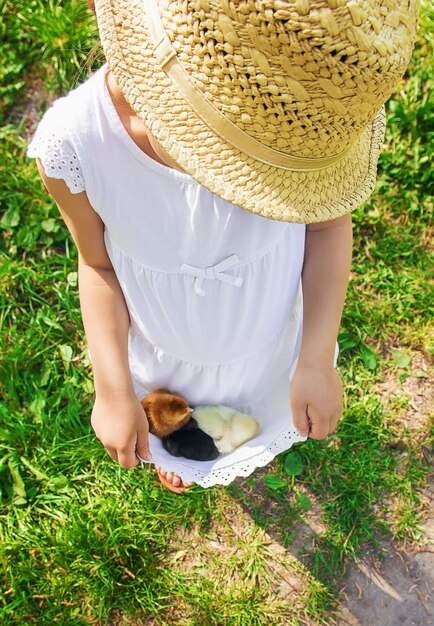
{"x": 316, "y": 388}
{"x": 118, "y": 418}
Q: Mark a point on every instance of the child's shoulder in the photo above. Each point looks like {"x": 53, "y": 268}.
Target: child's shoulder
{"x": 63, "y": 126}
{"x": 76, "y": 108}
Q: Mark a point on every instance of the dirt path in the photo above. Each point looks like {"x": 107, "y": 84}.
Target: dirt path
{"x": 392, "y": 585}
{"x": 397, "y": 589}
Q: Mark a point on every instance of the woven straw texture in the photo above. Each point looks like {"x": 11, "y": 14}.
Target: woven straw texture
{"x": 307, "y": 78}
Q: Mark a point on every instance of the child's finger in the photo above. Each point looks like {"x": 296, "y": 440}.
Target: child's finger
{"x": 300, "y": 419}
{"x": 112, "y": 453}
{"x": 142, "y": 445}
{"x": 334, "y": 420}
{"x": 319, "y": 425}
{"x": 127, "y": 458}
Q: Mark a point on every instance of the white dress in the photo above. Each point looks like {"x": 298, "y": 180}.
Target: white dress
{"x": 213, "y": 291}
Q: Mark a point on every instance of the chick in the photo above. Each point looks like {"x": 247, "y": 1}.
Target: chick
{"x": 229, "y": 428}
{"x": 191, "y": 442}
{"x": 166, "y": 412}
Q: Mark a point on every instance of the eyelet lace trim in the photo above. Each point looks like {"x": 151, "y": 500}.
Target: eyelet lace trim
{"x": 57, "y": 160}
{"x": 225, "y": 475}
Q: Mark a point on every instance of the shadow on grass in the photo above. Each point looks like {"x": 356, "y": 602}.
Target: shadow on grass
{"x": 336, "y": 513}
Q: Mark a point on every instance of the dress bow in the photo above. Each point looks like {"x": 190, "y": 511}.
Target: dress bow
{"x": 213, "y": 272}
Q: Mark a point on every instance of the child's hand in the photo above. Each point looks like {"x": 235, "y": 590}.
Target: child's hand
{"x": 316, "y": 400}
{"x": 120, "y": 423}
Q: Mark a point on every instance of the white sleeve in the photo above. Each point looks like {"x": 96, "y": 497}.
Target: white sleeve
{"x": 52, "y": 144}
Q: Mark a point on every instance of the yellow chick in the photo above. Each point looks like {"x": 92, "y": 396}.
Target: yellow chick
{"x": 229, "y": 428}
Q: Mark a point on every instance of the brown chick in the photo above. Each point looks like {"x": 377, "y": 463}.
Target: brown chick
{"x": 166, "y": 412}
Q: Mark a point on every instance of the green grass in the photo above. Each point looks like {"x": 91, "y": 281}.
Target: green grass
{"x": 43, "y": 39}
{"x": 84, "y": 542}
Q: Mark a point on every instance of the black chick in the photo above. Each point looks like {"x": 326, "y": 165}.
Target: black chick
{"x": 191, "y": 442}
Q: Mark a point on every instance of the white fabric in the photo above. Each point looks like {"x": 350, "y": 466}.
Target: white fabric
{"x": 58, "y": 157}
{"x": 213, "y": 291}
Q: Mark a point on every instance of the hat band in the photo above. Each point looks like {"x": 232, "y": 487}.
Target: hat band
{"x": 165, "y": 55}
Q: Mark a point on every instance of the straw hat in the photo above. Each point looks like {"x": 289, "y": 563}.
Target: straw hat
{"x": 276, "y": 106}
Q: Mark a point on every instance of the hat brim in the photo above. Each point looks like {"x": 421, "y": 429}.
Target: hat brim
{"x": 275, "y": 193}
